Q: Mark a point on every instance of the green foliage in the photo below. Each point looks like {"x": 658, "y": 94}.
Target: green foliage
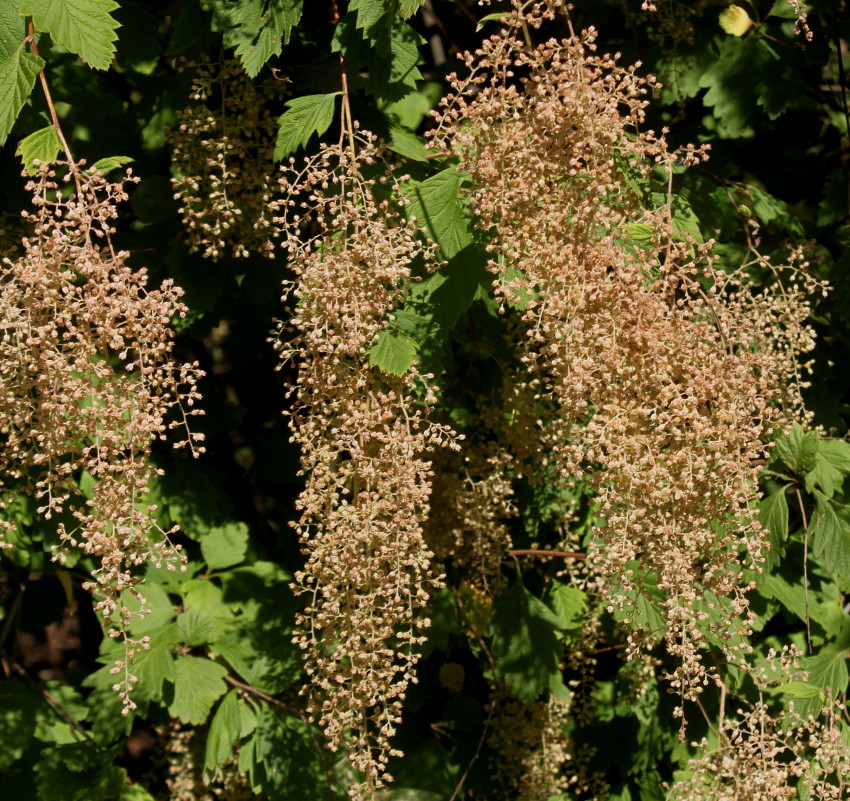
{"x": 85, "y": 27}
{"x": 198, "y": 684}
{"x": 257, "y": 29}
{"x": 526, "y": 646}
{"x": 305, "y": 116}
{"x": 219, "y": 659}
{"x": 43, "y": 145}
{"x": 17, "y": 78}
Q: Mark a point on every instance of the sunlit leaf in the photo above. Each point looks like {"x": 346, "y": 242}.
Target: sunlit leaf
{"x": 735, "y": 20}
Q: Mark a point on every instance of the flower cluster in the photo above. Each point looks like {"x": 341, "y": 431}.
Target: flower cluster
{"x": 761, "y": 755}
{"x": 473, "y": 500}
{"x": 534, "y": 758}
{"x": 222, "y": 159}
{"x": 666, "y": 374}
{"x": 89, "y": 382}
{"x": 365, "y": 438}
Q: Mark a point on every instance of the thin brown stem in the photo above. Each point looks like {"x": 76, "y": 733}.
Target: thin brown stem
{"x": 346, "y": 120}
{"x": 543, "y": 552}
{"x": 11, "y": 667}
{"x": 49, "y": 98}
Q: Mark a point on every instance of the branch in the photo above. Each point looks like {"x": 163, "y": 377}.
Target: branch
{"x": 48, "y": 97}
{"x": 543, "y": 552}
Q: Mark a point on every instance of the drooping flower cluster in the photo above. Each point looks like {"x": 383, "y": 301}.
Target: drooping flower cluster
{"x": 89, "y": 382}
{"x": 533, "y": 758}
{"x": 667, "y": 375}
{"x": 365, "y": 438}
{"x": 473, "y": 500}
{"x": 759, "y": 755}
{"x": 222, "y": 160}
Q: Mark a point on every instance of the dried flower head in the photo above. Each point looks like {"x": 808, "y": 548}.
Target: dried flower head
{"x": 666, "y": 374}
{"x": 365, "y": 438}
{"x": 760, "y": 753}
{"x": 222, "y": 160}
{"x": 89, "y": 382}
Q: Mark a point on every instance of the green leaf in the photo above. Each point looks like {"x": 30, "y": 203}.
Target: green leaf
{"x": 396, "y": 75}
{"x": 640, "y": 232}
{"x": 500, "y": 17}
{"x": 773, "y": 515}
{"x": 197, "y": 627}
{"x": 392, "y": 353}
{"x": 435, "y": 203}
{"x": 19, "y": 706}
{"x": 280, "y": 755}
{"x": 526, "y": 647}
{"x": 257, "y": 29}
{"x": 798, "y": 449}
{"x": 17, "y": 78}
{"x": 387, "y": 48}
{"x": 160, "y": 610}
{"x": 407, "y": 8}
{"x": 85, "y": 27}
{"x": 205, "y": 596}
{"x": 729, "y": 81}
{"x": 305, "y": 116}
{"x": 828, "y": 670}
{"x": 224, "y": 731}
{"x": 110, "y": 163}
{"x": 801, "y": 689}
{"x": 784, "y": 10}
{"x": 772, "y": 211}
{"x": 198, "y": 684}
{"x": 78, "y": 771}
{"x": 155, "y": 665}
{"x": 831, "y": 537}
{"x": 42, "y": 145}
{"x": 13, "y": 31}
{"x": 569, "y": 604}
{"x": 644, "y": 610}
{"x": 831, "y": 466}
{"x": 225, "y": 546}
{"x": 373, "y": 17}
{"x": 407, "y": 144}
{"x": 792, "y": 597}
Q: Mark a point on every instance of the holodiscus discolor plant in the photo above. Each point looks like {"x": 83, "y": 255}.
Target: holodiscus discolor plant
{"x": 510, "y": 341}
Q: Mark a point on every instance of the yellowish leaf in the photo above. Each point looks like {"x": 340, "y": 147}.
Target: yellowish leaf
{"x": 735, "y": 20}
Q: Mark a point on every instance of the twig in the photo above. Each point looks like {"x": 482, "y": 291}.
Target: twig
{"x": 13, "y": 667}
{"x": 543, "y": 552}
{"x": 48, "y": 97}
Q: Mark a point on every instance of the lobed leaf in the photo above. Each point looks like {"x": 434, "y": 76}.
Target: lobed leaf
{"x": 225, "y": 728}
{"x": 198, "y": 684}
{"x": 526, "y": 647}
{"x": 225, "y": 546}
{"x": 831, "y": 537}
{"x": 17, "y": 78}
{"x": 392, "y": 353}
{"x": 263, "y": 30}
{"x": 773, "y": 515}
{"x": 85, "y": 27}
{"x": 305, "y": 116}
{"x": 42, "y": 145}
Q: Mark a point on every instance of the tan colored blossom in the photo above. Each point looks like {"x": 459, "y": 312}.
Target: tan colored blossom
{"x": 89, "y": 383}
{"x": 366, "y": 440}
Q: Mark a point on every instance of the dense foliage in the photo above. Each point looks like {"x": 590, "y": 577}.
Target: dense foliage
{"x": 420, "y": 400}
